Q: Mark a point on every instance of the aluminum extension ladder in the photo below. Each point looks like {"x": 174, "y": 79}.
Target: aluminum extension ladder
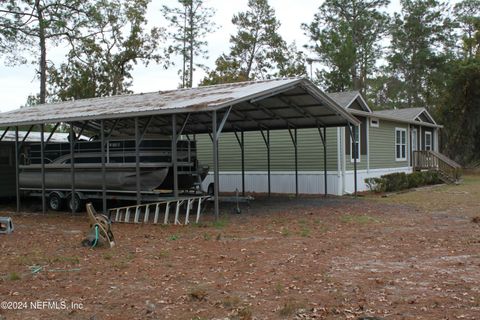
{"x": 142, "y": 213}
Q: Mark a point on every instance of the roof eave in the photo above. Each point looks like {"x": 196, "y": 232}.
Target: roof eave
{"x": 384, "y": 117}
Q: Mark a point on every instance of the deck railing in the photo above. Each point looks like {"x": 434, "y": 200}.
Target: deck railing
{"x": 432, "y": 160}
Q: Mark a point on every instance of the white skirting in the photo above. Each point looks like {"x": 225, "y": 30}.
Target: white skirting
{"x": 281, "y": 182}
{"x": 309, "y": 182}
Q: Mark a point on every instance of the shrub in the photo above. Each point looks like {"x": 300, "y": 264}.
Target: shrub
{"x": 395, "y": 181}
{"x": 401, "y": 181}
{"x": 416, "y": 179}
{"x": 376, "y": 184}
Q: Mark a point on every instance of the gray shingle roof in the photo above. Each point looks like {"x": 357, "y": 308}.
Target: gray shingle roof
{"x": 403, "y": 114}
{"x": 344, "y": 99}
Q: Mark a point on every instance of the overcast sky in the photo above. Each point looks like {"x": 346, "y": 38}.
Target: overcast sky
{"x": 16, "y": 83}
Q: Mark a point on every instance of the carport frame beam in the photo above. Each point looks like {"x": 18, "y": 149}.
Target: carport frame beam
{"x": 266, "y": 139}
{"x": 72, "y": 166}
{"x": 323, "y": 137}
{"x": 17, "y": 171}
{"x": 104, "y": 171}
{"x": 241, "y": 143}
{"x": 294, "y": 137}
{"x": 42, "y": 166}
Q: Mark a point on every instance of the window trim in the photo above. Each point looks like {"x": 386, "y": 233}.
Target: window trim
{"x": 375, "y": 125}
{"x": 401, "y": 144}
{"x": 431, "y": 141}
{"x": 359, "y": 155}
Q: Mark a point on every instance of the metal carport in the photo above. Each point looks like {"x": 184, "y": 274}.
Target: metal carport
{"x": 238, "y": 107}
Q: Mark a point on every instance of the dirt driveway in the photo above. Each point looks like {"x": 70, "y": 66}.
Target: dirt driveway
{"x": 409, "y": 256}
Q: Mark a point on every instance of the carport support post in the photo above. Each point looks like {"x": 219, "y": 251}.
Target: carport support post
{"x": 294, "y": 141}
{"x": 137, "y": 160}
{"x": 355, "y": 156}
{"x": 72, "y": 166}
{"x": 323, "y": 136}
{"x": 243, "y": 162}
{"x": 42, "y": 163}
{"x": 216, "y": 178}
{"x": 17, "y": 172}
{"x": 104, "y": 187}
{"x": 268, "y": 164}
{"x": 242, "y": 157}
{"x": 174, "y": 155}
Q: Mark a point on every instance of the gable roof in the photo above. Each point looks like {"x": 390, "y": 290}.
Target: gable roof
{"x": 407, "y": 114}
{"x": 272, "y": 104}
{"x": 345, "y": 99}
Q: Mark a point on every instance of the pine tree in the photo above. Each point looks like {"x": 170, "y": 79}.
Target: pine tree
{"x": 419, "y": 53}
{"x": 190, "y": 23}
{"x": 346, "y": 38}
{"x": 28, "y": 27}
{"x": 101, "y": 65}
{"x": 257, "y": 50}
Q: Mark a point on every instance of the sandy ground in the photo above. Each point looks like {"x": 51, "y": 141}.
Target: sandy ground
{"x": 409, "y": 256}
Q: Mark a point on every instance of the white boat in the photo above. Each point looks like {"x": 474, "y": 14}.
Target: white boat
{"x": 120, "y": 165}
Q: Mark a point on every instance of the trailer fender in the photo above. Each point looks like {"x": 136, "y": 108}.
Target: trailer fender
{"x": 60, "y": 194}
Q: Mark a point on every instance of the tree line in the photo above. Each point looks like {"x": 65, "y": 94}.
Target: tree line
{"x": 425, "y": 55}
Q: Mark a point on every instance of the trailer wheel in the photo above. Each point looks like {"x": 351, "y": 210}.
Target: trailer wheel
{"x": 76, "y": 205}
{"x": 55, "y": 202}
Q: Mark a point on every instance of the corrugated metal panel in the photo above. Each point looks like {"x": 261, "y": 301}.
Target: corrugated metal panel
{"x": 255, "y": 103}
{"x": 310, "y": 151}
{"x": 382, "y": 145}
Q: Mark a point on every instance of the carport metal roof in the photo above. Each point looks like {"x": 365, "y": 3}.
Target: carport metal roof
{"x": 269, "y": 104}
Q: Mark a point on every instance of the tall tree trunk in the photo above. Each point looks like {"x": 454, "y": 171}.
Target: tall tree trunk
{"x": 43, "y": 52}
{"x": 184, "y": 51}
{"x": 192, "y": 40}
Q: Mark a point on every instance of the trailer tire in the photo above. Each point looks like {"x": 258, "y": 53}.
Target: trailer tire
{"x": 77, "y": 203}
{"x": 55, "y": 202}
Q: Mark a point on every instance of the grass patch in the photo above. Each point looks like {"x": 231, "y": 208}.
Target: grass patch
{"x": 162, "y": 254}
{"x": 362, "y": 219}
{"x": 108, "y": 256}
{"x": 289, "y": 308}
{"x": 206, "y": 236}
{"x": 278, "y": 290}
{"x": 220, "y": 223}
{"x": 285, "y": 232}
{"x": 305, "y": 232}
{"x": 198, "y": 293}
{"x": 65, "y": 259}
{"x": 231, "y": 302}
{"x": 13, "y": 276}
{"x": 174, "y": 237}
{"x": 244, "y": 313}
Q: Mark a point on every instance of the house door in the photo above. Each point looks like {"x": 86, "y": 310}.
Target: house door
{"x": 428, "y": 140}
{"x": 414, "y": 140}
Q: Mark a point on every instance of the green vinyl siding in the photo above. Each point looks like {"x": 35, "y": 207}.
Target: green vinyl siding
{"x": 382, "y": 145}
{"x": 310, "y": 151}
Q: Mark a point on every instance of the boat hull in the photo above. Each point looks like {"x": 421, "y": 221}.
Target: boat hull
{"x": 116, "y": 178}
{"x": 186, "y": 181}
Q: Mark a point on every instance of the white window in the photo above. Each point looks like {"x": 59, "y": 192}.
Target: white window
{"x": 428, "y": 140}
{"x": 374, "y": 122}
{"x": 400, "y": 144}
{"x": 355, "y": 145}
